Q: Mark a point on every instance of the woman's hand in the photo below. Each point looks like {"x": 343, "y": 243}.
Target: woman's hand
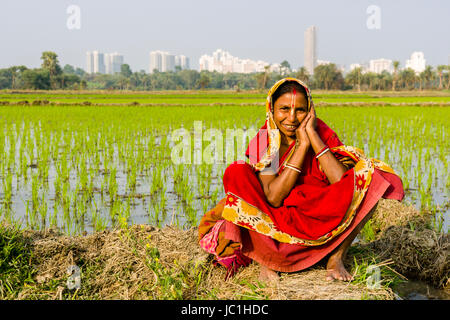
{"x": 312, "y": 123}
{"x": 302, "y": 134}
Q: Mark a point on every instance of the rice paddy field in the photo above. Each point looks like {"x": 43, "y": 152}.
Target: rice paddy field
{"x": 86, "y": 161}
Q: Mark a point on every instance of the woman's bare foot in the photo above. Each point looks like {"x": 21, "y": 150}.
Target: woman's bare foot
{"x": 336, "y": 269}
{"x": 267, "y": 274}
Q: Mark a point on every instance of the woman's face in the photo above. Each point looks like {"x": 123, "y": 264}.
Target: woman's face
{"x": 289, "y": 111}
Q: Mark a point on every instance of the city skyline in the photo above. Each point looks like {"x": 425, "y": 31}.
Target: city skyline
{"x": 222, "y": 61}
{"x": 136, "y": 28}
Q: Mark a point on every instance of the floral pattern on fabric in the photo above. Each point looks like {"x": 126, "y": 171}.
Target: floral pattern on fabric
{"x": 244, "y": 214}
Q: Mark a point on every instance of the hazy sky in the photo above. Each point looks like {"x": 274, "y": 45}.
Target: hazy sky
{"x": 261, "y": 30}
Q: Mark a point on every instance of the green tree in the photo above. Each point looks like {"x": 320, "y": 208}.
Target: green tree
{"x": 302, "y": 74}
{"x": 354, "y": 78}
{"x": 68, "y": 69}
{"x": 285, "y": 68}
{"x": 407, "y": 77}
{"x": 51, "y": 64}
{"x": 396, "y": 65}
{"x": 125, "y": 70}
{"x": 37, "y": 79}
{"x": 440, "y": 71}
{"x": 204, "y": 80}
{"x": 327, "y": 76}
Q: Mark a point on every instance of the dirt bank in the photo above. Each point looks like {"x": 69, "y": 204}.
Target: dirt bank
{"x": 144, "y": 262}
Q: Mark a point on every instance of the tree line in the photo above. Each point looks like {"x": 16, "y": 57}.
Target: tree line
{"x": 51, "y": 76}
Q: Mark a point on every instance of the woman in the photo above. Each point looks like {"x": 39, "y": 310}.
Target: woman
{"x": 302, "y": 196}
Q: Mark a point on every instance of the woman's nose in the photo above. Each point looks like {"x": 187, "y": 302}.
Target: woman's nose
{"x": 291, "y": 116}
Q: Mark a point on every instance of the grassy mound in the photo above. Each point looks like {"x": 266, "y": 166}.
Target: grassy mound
{"x": 143, "y": 262}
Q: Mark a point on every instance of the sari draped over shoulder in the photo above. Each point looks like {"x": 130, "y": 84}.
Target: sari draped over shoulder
{"x": 315, "y": 217}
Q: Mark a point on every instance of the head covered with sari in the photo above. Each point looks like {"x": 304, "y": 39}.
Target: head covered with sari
{"x": 264, "y": 148}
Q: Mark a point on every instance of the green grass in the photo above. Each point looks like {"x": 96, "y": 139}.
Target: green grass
{"x": 16, "y": 271}
{"x": 90, "y": 167}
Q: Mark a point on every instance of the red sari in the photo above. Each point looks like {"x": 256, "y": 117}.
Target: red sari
{"x": 314, "y": 219}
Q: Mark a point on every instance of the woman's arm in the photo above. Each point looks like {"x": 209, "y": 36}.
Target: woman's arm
{"x": 277, "y": 187}
{"x": 332, "y": 167}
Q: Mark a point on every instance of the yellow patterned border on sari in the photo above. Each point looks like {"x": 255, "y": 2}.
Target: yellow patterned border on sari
{"x": 241, "y": 213}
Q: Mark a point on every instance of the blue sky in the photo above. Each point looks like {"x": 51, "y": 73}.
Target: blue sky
{"x": 261, "y": 30}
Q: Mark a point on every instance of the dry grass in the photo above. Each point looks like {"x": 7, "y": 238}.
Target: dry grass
{"x": 118, "y": 265}
{"x": 144, "y": 262}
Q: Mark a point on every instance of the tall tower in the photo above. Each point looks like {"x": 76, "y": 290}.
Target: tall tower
{"x": 89, "y": 62}
{"x": 98, "y": 62}
{"x": 155, "y": 61}
{"x": 310, "y": 49}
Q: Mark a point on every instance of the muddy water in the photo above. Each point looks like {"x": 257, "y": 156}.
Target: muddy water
{"x": 419, "y": 290}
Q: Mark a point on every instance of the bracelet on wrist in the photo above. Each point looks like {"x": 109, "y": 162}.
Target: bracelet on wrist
{"x": 287, "y": 165}
{"x": 322, "y": 152}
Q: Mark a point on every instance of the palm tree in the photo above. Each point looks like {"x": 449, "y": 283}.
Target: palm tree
{"x": 448, "y": 76}
{"x": 302, "y": 74}
{"x": 440, "y": 70}
{"x": 285, "y": 67}
{"x": 354, "y": 78}
{"x": 50, "y": 63}
{"x": 204, "y": 80}
{"x": 396, "y": 64}
{"x": 266, "y": 74}
{"x": 407, "y": 77}
{"x": 427, "y": 75}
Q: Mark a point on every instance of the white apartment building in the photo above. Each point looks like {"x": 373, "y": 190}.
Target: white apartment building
{"x": 417, "y": 62}
{"x": 89, "y": 62}
{"x": 182, "y": 62}
{"x": 380, "y": 65}
{"x": 223, "y": 62}
{"x": 95, "y": 62}
{"x": 164, "y": 61}
{"x": 113, "y": 62}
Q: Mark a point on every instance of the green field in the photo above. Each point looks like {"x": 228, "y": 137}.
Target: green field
{"x": 87, "y": 168}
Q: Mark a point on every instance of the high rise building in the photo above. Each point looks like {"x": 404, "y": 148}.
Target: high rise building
{"x": 164, "y": 61}
{"x": 223, "y": 62}
{"x": 380, "y": 65}
{"x": 89, "y": 62}
{"x": 167, "y": 62}
{"x": 310, "y": 49}
{"x": 95, "y": 62}
{"x": 182, "y": 62}
{"x": 417, "y": 62}
{"x": 113, "y": 63}
{"x": 99, "y": 62}
{"x": 155, "y": 61}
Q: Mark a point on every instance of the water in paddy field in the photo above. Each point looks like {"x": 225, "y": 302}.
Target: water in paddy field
{"x": 129, "y": 178}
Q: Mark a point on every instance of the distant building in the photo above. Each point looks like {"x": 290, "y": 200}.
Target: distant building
{"x": 155, "y": 61}
{"x": 310, "y": 49}
{"x": 322, "y": 62}
{"x": 223, "y": 62}
{"x": 417, "y": 62}
{"x": 163, "y": 61}
{"x": 113, "y": 62}
{"x": 182, "y": 62}
{"x": 95, "y": 62}
{"x": 380, "y": 65}
{"x": 354, "y": 66}
{"x": 89, "y": 62}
